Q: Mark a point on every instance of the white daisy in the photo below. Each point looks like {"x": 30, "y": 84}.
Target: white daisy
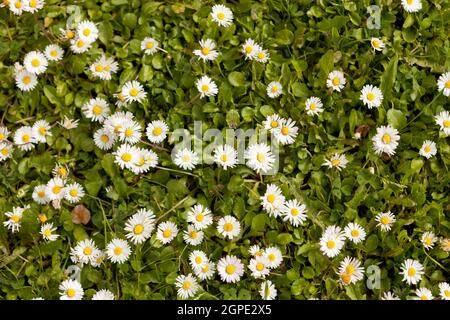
{"x": 126, "y": 156}
{"x": 24, "y": 138}
{"x": 187, "y": 286}
{"x": 428, "y": 240}
{"x": 4, "y": 134}
{"x": 412, "y": 271}
{"x": 230, "y": 269}
{"x": 443, "y": 121}
{"x": 206, "y": 272}
{"x": 262, "y": 55}
{"x": 207, "y": 51}
{"x": 120, "y": 100}
{"x": 74, "y": 192}
{"x": 286, "y": 132}
{"x": 47, "y": 230}
{"x": 338, "y": 161}
{"x": 104, "y": 139}
{"x": 444, "y": 290}
{"x": 259, "y": 157}
{"x": 222, "y": 15}
{"x": 259, "y": 266}
{"x": 274, "y": 89}
{"x": 35, "y": 62}
{"x": 385, "y": 140}
{"x": 114, "y": 122}
{"x": 385, "y": 220}
{"x": 17, "y": 6}
{"x": 103, "y": 68}
{"x": 371, "y": 96}
{"x": 186, "y": 159}
{"x": 294, "y": 212}
{"x": 140, "y": 226}
{"x": 273, "y": 201}
{"x": 98, "y": 257}
{"x": 444, "y": 83}
{"x": 167, "y": 231}
{"x": 389, "y": 296}
{"x": 268, "y": 290}
{"x": 229, "y": 227}
{"x": 26, "y": 81}
{"x": 149, "y": 45}
{"x": 225, "y": 156}
{"x": 200, "y": 217}
{"x": 206, "y": 87}
{"x": 146, "y": 159}
{"x": 332, "y": 241}
{"x": 71, "y": 290}
{"x": 79, "y": 46}
{"x": 5, "y": 151}
{"x": 96, "y": 109}
{"x": 118, "y": 250}
{"x": 350, "y": 271}
{"x": 354, "y": 232}
{"x": 313, "y": 106}
{"x": 69, "y": 124}
{"x": 377, "y": 44}
{"x": 157, "y": 131}
{"x": 273, "y": 122}
{"x": 193, "y": 236}
{"x": 445, "y": 244}
{"x": 41, "y": 130}
{"x": 336, "y": 80}
{"x": 39, "y": 194}
{"x": 60, "y": 171}
{"x": 197, "y": 258}
{"x": 53, "y": 52}
{"x": 274, "y": 256}
{"x": 14, "y": 219}
{"x": 55, "y": 189}
{"x": 130, "y": 132}
{"x": 85, "y": 251}
{"x": 67, "y": 34}
{"x": 133, "y": 91}
{"x": 255, "y": 251}
{"x": 428, "y": 149}
{"x": 103, "y": 295}
{"x": 424, "y": 294}
{"x": 87, "y": 31}
{"x": 250, "y": 49}
{"x": 412, "y": 5}
{"x": 34, "y": 5}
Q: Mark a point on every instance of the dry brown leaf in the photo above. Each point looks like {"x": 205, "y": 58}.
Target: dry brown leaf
{"x": 81, "y": 214}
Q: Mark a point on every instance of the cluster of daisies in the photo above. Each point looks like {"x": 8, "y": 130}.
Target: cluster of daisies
{"x": 18, "y": 7}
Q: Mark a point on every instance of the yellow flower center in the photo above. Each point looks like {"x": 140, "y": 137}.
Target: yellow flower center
{"x": 385, "y": 220}
{"x": 167, "y": 233}
{"x": 80, "y": 43}
{"x": 335, "y": 162}
{"x": 26, "y": 138}
{"x": 294, "y": 212}
{"x": 70, "y": 293}
{"x": 261, "y": 55}
{"x": 120, "y": 96}
{"x": 186, "y": 158}
{"x": 427, "y": 149}
{"x": 87, "y": 251}
{"x": 98, "y": 68}
{"x": 134, "y": 92}
{"x": 446, "y": 123}
{"x": 86, "y": 32}
{"x": 350, "y": 269}
{"x": 221, "y": 16}
{"x": 409, "y": 2}
{"x": 259, "y": 266}
{"x": 346, "y": 278}
{"x": 97, "y": 110}
{"x": 274, "y": 89}
{"x": 205, "y": 51}
{"x": 56, "y": 189}
{"x": 447, "y": 84}
{"x": 336, "y": 81}
{"x": 42, "y": 218}
{"x": 248, "y": 49}
{"x": 5, "y": 151}
{"x": 312, "y": 106}
{"x": 230, "y": 269}
{"x": 54, "y": 53}
{"x": 157, "y": 131}
{"x": 386, "y": 138}
{"x": 224, "y": 157}
{"x": 138, "y": 229}
{"x": 73, "y": 192}
{"x": 42, "y": 131}
{"x": 370, "y": 96}
{"x": 285, "y": 131}
{"x": 198, "y": 260}
{"x": 375, "y": 43}
{"x": 104, "y": 138}
{"x": 271, "y": 257}
{"x": 205, "y": 268}
{"x": 2, "y": 136}
{"x": 260, "y": 157}
{"x": 355, "y": 233}
{"x": 47, "y": 232}
{"x": 15, "y": 218}
{"x": 141, "y": 161}
{"x": 129, "y": 132}
{"x": 199, "y": 217}
{"x": 193, "y": 234}
{"x": 26, "y": 80}
{"x": 150, "y": 45}
{"x": 126, "y": 157}
{"x": 428, "y": 241}
{"x": 274, "y": 124}
{"x": 258, "y": 254}
{"x": 411, "y": 272}
{"x": 447, "y": 293}
{"x": 424, "y": 297}
{"x": 205, "y": 88}
{"x": 331, "y": 244}
{"x": 70, "y": 34}
{"x": 107, "y": 68}
{"x": 228, "y": 227}
{"x": 118, "y": 250}
{"x": 186, "y": 285}
{"x": 270, "y": 198}
{"x": 18, "y": 4}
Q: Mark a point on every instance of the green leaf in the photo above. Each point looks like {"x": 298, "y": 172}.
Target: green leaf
{"x": 371, "y": 243}
{"x": 236, "y": 79}
{"x": 259, "y": 222}
{"x": 326, "y": 63}
{"x": 388, "y": 78}
{"x": 396, "y": 118}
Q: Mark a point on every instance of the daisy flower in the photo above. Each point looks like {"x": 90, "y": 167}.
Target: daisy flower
{"x": 79, "y": 46}
{"x": 103, "y": 295}
{"x": 34, "y": 5}
{"x": 39, "y": 194}
{"x": 146, "y": 159}
{"x": 187, "y": 286}
{"x": 412, "y": 5}
{"x": 114, "y": 122}
{"x": 273, "y": 122}
{"x": 294, "y": 212}
{"x": 193, "y": 236}
{"x": 98, "y": 257}
{"x": 445, "y": 244}
{"x": 206, "y": 87}
{"x": 103, "y": 68}
{"x": 197, "y": 258}
{"x": 412, "y": 271}
{"x": 200, "y": 217}
{"x": 96, "y": 109}
{"x": 207, "y": 51}
{"x": 268, "y": 290}
{"x": 126, "y": 156}
{"x": 17, "y": 6}
{"x": 230, "y": 269}
{"x": 428, "y": 239}
{"x": 5, "y": 151}
{"x": 104, "y": 139}
{"x": 133, "y": 91}
{"x": 385, "y": 220}
{"x": 332, "y": 241}
{"x": 140, "y": 226}
{"x": 74, "y": 192}
{"x": 120, "y": 100}
{"x": 225, "y": 156}
{"x": 35, "y": 62}
{"x": 26, "y": 81}
{"x": 53, "y": 52}
{"x": 157, "y": 131}
{"x": 47, "y": 230}
{"x": 14, "y": 219}
{"x": 60, "y": 171}
{"x": 444, "y": 84}
{"x": 4, "y": 133}
{"x": 87, "y": 31}
{"x": 274, "y": 89}
{"x": 55, "y": 189}
{"x": 69, "y": 124}
{"x": 273, "y": 201}
{"x": 186, "y": 159}
{"x": 336, "y": 80}
{"x": 444, "y": 290}
{"x": 371, "y": 96}
{"x": 259, "y": 266}
{"x": 274, "y": 256}
{"x": 130, "y": 132}
{"x": 338, "y": 161}
{"x": 41, "y": 130}
{"x": 67, "y": 34}
{"x": 286, "y": 132}
{"x": 259, "y": 157}
{"x": 255, "y": 251}
{"x": 250, "y": 48}
{"x": 42, "y": 218}
{"x": 229, "y": 227}
{"x": 149, "y": 45}
{"x": 118, "y": 250}
{"x": 222, "y": 15}
{"x": 354, "y": 232}
{"x": 206, "y": 272}
{"x": 443, "y": 120}
{"x": 85, "y": 250}
{"x": 389, "y": 296}
{"x": 423, "y": 294}
{"x": 377, "y": 44}
{"x": 313, "y": 106}
{"x": 385, "y": 140}
{"x": 261, "y": 55}
{"x": 167, "y": 231}
{"x": 24, "y": 138}
{"x": 71, "y": 290}
{"x": 428, "y": 149}
{"x": 350, "y": 271}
